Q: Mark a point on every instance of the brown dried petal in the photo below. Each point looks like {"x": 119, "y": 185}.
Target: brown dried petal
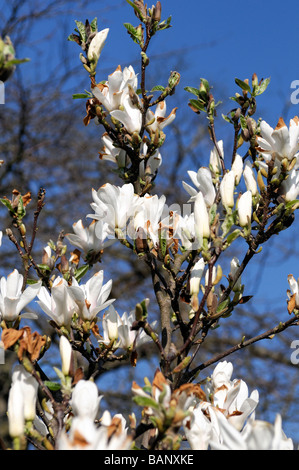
{"x": 10, "y": 336}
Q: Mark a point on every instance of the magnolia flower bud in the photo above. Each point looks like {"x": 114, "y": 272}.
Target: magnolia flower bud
{"x": 66, "y": 354}
{"x": 85, "y": 399}
{"x": 249, "y": 178}
{"x": 234, "y": 266}
{"x": 215, "y": 162}
{"x": 96, "y": 45}
{"x": 237, "y": 168}
{"x": 245, "y": 208}
{"x": 290, "y": 186}
{"x": 201, "y": 216}
{"x": 21, "y": 401}
{"x": 195, "y": 278}
{"x": 227, "y": 187}
{"x": 15, "y": 411}
{"x": 110, "y": 323}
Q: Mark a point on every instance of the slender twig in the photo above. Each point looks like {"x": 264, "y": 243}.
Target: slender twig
{"x": 294, "y": 321}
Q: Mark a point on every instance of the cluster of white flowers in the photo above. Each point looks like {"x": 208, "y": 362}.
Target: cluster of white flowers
{"x": 282, "y": 145}
{"x": 118, "y": 95}
{"x": 219, "y": 417}
{"x": 84, "y": 434}
{"x": 226, "y": 419}
{"x": 119, "y": 212}
{"x": 86, "y": 300}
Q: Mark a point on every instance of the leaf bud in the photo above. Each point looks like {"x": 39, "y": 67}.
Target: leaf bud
{"x": 174, "y": 79}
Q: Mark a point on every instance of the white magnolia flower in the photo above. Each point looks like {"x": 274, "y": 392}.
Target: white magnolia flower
{"x": 112, "y": 93}
{"x": 281, "y": 142}
{"x": 96, "y": 45}
{"x": 129, "y": 115}
{"x": 245, "y": 208}
{"x": 113, "y": 154}
{"x": 59, "y": 305}
{"x": 12, "y": 299}
{"x": 175, "y": 403}
{"x": 118, "y": 329}
{"x": 231, "y": 396}
{"x": 160, "y": 121}
{"x": 21, "y": 400}
{"x": 202, "y": 180}
{"x": 227, "y": 187}
{"x": 148, "y": 216}
{"x": 200, "y": 428}
{"x": 29, "y": 387}
{"x": 84, "y": 435}
{"x": 89, "y": 239}
{"x": 127, "y": 336}
{"x": 256, "y": 435}
{"x": 85, "y": 399}
{"x": 185, "y": 231}
{"x": 91, "y": 298}
{"x": 114, "y": 205}
{"x": 152, "y": 163}
{"x": 110, "y": 323}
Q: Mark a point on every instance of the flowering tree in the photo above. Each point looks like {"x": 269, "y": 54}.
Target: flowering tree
{"x": 252, "y": 196}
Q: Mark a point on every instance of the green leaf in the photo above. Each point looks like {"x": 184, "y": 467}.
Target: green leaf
{"x": 32, "y": 281}
{"x": 197, "y": 105}
{"x": 206, "y": 84}
{"x": 262, "y": 87}
{"x": 53, "y": 386}
{"x": 78, "y": 96}
{"x": 158, "y": 88}
{"x": 81, "y": 30}
{"x": 243, "y": 85}
{"x": 193, "y": 90}
{"x": 227, "y": 119}
{"x": 163, "y": 245}
{"x": 9, "y": 63}
{"x": 146, "y": 401}
{"x": 165, "y": 24}
{"x": 80, "y": 272}
{"x": 132, "y": 32}
{"x": 227, "y": 224}
{"x": 232, "y": 236}
{"x": 94, "y": 25}
{"x": 136, "y": 8}
{"x": 7, "y": 204}
{"x": 223, "y": 305}
{"x": 44, "y": 267}
{"x": 243, "y": 122}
